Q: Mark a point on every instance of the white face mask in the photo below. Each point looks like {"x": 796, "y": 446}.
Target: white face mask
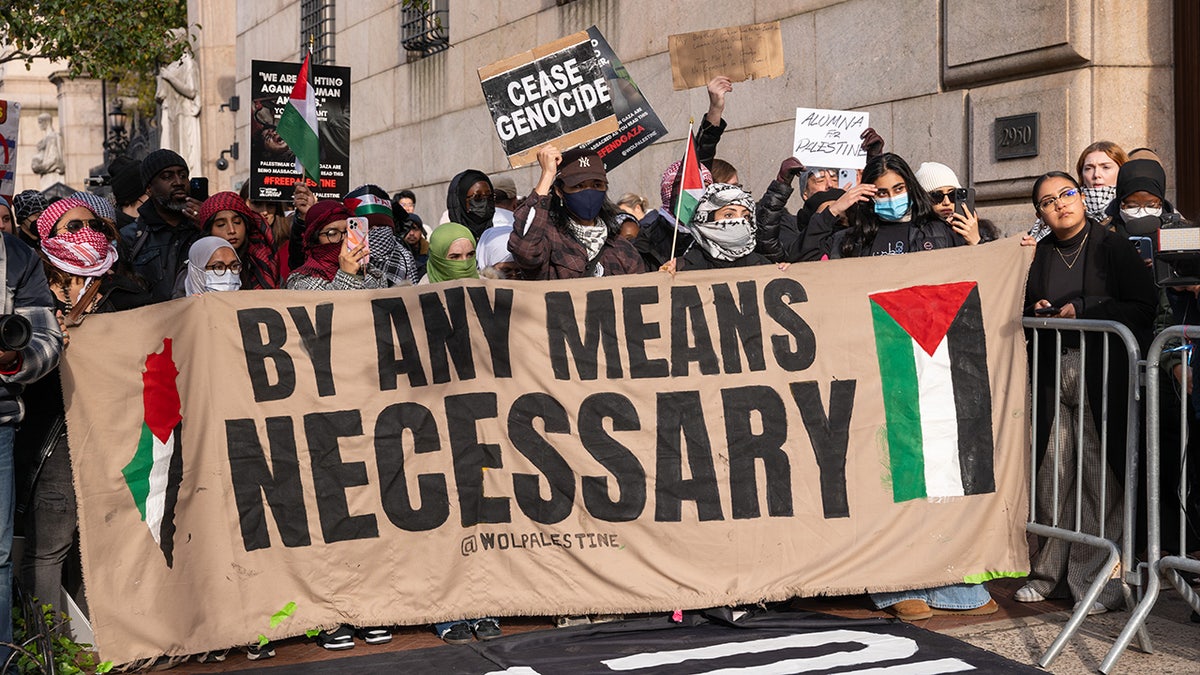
{"x": 1140, "y": 212}
{"x": 229, "y": 281}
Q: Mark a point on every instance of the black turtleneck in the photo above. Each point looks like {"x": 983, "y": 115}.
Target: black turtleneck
{"x": 1065, "y": 282}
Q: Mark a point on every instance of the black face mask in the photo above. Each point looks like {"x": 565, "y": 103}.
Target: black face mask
{"x": 481, "y": 210}
{"x": 1144, "y": 226}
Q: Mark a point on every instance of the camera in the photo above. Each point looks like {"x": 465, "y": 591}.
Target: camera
{"x": 222, "y": 164}
{"x": 15, "y": 332}
{"x": 1175, "y": 245}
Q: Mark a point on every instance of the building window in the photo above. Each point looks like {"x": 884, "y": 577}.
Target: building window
{"x": 425, "y": 27}
{"x": 316, "y": 24}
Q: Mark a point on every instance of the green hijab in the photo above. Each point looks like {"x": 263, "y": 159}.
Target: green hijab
{"x": 438, "y": 267}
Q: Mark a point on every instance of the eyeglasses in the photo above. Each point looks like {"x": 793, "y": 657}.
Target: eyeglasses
{"x": 1068, "y": 196}
{"x": 77, "y": 225}
{"x": 333, "y": 235}
{"x": 939, "y": 197}
{"x": 220, "y": 268}
{"x": 824, "y": 174}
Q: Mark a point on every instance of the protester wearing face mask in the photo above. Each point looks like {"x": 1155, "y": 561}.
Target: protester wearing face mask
{"x": 471, "y": 202}
{"x": 887, "y": 214}
{"x": 213, "y": 265}
{"x": 79, "y": 257}
{"x": 723, "y": 228}
{"x": 571, "y": 229}
{"x": 1139, "y": 201}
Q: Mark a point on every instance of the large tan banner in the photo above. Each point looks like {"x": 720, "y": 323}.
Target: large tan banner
{"x": 626, "y": 444}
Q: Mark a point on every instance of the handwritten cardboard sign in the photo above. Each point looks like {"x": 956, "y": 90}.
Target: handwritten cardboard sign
{"x": 739, "y": 53}
{"x": 557, "y": 93}
{"x": 830, "y": 138}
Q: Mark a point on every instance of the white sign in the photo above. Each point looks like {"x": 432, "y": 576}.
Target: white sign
{"x": 830, "y": 138}
{"x": 10, "y": 115}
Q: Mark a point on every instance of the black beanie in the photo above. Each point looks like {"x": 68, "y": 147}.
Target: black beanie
{"x": 1138, "y": 175}
{"x": 125, "y": 177}
{"x": 158, "y": 160}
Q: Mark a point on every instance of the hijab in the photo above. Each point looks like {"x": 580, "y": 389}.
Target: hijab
{"x": 439, "y": 267}
{"x": 456, "y": 202}
{"x": 198, "y": 256}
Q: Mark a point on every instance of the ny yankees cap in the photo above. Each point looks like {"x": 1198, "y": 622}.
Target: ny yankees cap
{"x": 580, "y": 165}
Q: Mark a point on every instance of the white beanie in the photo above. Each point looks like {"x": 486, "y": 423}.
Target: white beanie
{"x": 932, "y": 175}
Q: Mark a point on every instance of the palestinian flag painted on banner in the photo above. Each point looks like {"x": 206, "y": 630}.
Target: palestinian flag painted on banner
{"x": 692, "y": 185}
{"x": 367, "y": 204}
{"x": 298, "y": 124}
{"x": 936, "y": 396}
{"x": 154, "y": 473}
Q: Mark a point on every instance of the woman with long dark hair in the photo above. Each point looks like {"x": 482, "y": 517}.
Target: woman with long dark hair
{"x": 888, "y": 214}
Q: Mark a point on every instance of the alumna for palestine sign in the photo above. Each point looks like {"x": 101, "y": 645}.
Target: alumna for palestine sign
{"x": 389, "y": 456}
{"x": 557, "y": 93}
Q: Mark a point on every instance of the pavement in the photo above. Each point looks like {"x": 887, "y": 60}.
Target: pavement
{"x": 1018, "y": 631}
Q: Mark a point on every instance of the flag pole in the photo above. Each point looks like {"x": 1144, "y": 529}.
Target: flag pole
{"x": 679, "y": 197}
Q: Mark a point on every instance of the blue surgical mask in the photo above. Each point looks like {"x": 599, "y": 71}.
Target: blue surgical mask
{"x": 585, "y": 204}
{"x": 892, "y": 209}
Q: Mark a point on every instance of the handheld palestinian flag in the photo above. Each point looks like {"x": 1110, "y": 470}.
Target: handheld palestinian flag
{"x": 937, "y": 400}
{"x": 691, "y": 185}
{"x": 298, "y": 124}
{"x": 154, "y": 473}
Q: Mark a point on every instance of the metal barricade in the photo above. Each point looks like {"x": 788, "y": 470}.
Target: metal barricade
{"x": 1055, "y": 329}
{"x": 1161, "y": 566}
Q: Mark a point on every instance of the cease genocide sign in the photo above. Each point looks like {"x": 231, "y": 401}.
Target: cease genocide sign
{"x": 624, "y": 444}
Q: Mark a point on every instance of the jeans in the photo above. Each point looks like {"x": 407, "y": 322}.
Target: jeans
{"x": 954, "y": 596}
{"x": 7, "y": 503}
{"x": 50, "y": 527}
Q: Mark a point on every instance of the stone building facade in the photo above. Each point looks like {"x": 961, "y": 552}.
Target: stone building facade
{"x": 934, "y": 74}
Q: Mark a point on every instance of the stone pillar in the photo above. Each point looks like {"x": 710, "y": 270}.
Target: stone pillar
{"x": 82, "y": 122}
{"x": 216, "y": 54}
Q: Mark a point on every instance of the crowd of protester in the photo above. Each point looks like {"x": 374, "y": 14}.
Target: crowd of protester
{"x": 154, "y": 242}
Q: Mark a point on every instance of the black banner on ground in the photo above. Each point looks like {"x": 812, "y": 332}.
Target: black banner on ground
{"x": 639, "y": 124}
{"x": 791, "y": 642}
{"x": 272, "y": 165}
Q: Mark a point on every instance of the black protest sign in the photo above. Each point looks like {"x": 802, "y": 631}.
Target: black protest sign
{"x": 273, "y": 169}
{"x": 639, "y": 125}
{"x": 558, "y": 93}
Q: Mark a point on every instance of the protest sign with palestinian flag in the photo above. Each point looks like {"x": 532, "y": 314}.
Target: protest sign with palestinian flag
{"x": 298, "y": 124}
{"x": 933, "y": 364}
{"x": 154, "y": 473}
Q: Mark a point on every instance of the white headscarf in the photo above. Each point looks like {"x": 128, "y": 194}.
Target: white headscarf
{"x": 198, "y": 256}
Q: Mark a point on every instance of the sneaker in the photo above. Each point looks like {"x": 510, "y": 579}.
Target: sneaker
{"x": 255, "y": 652}
{"x": 910, "y": 610}
{"x": 983, "y": 610}
{"x": 457, "y": 634}
{"x": 342, "y": 638}
{"x": 1096, "y": 608}
{"x": 1027, "y": 594}
{"x": 375, "y": 635}
{"x": 212, "y": 657}
{"x": 486, "y": 629}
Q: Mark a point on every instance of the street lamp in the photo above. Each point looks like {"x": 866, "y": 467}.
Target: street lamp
{"x": 116, "y": 140}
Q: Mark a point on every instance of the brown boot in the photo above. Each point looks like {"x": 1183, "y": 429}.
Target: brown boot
{"x": 910, "y": 610}
{"x": 990, "y": 608}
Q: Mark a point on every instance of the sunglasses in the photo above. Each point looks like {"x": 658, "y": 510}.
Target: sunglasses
{"x": 939, "y": 197}
{"x": 74, "y": 226}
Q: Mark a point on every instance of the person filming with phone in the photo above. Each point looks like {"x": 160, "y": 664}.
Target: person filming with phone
{"x": 954, "y": 203}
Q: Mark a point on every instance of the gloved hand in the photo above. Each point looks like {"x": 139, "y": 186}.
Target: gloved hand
{"x": 788, "y": 170}
{"x": 872, "y": 143}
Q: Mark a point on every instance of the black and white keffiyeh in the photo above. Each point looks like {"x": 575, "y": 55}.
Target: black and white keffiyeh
{"x": 727, "y": 239}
